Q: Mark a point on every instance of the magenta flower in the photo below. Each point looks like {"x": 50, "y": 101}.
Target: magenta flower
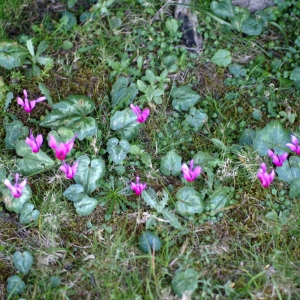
{"x": 278, "y": 160}
{"x": 294, "y": 145}
{"x": 29, "y": 105}
{"x": 61, "y": 149}
{"x": 17, "y": 188}
{"x": 69, "y": 170}
{"x": 188, "y": 173}
{"x": 264, "y": 177}
{"x": 34, "y": 143}
{"x": 138, "y": 187}
{"x": 141, "y": 115}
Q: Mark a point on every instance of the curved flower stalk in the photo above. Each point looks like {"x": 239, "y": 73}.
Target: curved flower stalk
{"x": 138, "y": 187}
{"x": 188, "y": 173}
{"x": 61, "y": 149}
{"x": 34, "y": 143}
{"x": 17, "y": 188}
{"x": 264, "y": 177}
{"x": 141, "y": 115}
{"x": 278, "y": 160}
{"x": 29, "y": 105}
{"x": 294, "y": 145}
{"x": 69, "y": 170}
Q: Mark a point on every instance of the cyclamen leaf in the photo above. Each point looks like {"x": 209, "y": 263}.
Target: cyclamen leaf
{"x": 196, "y": 118}
{"x": 117, "y": 149}
{"x": 295, "y": 188}
{"x": 28, "y": 214}
{"x": 185, "y": 281}
{"x": 253, "y": 26}
{"x": 223, "y": 8}
{"x": 22, "y": 261}
{"x": 15, "y": 285}
{"x": 184, "y": 98}
{"x": 219, "y": 199}
{"x": 14, "y": 131}
{"x": 290, "y": 169}
{"x": 222, "y": 58}
{"x": 171, "y": 164}
{"x": 85, "y": 205}
{"x": 74, "y": 192}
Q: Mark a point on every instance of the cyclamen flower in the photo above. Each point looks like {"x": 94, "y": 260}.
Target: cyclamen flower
{"x": 34, "y": 143}
{"x": 294, "y": 145}
{"x": 188, "y": 173}
{"x": 69, "y": 170}
{"x": 264, "y": 177}
{"x": 141, "y": 115}
{"x": 17, "y": 188}
{"x": 278, "y": 160}
{"x": 29, "y": 105}
{"x": 138, "y": 187}
{"x": 61, "y": 149}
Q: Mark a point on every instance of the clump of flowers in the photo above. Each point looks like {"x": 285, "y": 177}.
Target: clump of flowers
{"x": 264, "y": 177}
{"x": 69, "y": 170}
{"x": 141, "y": 115}
{"x": 34, "y": 143}
{"x": 27, "y": 104}
{"x": 138, "y": 187}
{"x": 189, "y": 173}
{"x": 61, "y": 149}
{"x": 17, "y": 188}
{"x": 278, "y": 160}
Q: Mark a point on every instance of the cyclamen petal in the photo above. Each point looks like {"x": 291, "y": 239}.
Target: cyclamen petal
{"x": 277, "y": 160}
{"x": 141, "y": 115}
{"x": 69, "y": 170}
{"x": 61, "y": 149}
{"x": 17, "y": 188}
{"x": 294, "y": 146}
{"x": 138, "y": 187}
{"x": 264, "y": 177}
{"x": 188, "y": 173}
{"x": 34, "y": 143}
{"x": 29, "y": 105}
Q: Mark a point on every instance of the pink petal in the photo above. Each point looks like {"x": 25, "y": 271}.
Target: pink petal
{"x": 40, "y": 99}
{"x": 52, "y": 142}
{"x": 20, "y": 101}
{"x": 39, "y": 140}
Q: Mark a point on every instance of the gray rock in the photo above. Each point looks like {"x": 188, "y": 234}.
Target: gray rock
{"x": 253, "y": 5}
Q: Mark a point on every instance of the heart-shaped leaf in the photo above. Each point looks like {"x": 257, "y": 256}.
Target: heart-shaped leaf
{"x": 295, "y": 75}
{"x": 89, "y": 172}
{"x": 15, "y": 285}
{"x": 223, "y": 8}
{"x": 22, "y": 261}
{"x": 28, "y": 214}
{"x": 185, "y": 281}
{"x": 196, "y": 118}
{"x": 219, "y": 199}
{"x": 189, "y": 201}
{"x": 184, "y": 98}
{"x": 14, "y": 131}
{"x": 237, "y": 70}
{"x": 117, "y": 149}
{"x": 32, "y": 163}
{"x": 272, "y": 136}
{"x": 295, "y": 188}
{"x": 12, "y": 55}
{"x": 72, "y": 112}
{"x": 222, "y": 58}
{"x": 171, "y": 164}
{"x": 240, "y": 15}
{"x": 85, "y": 205}
{"x": 202, "y": 159}
{"x": 74, "y": 192}
{"x": 247, "y": 137}
{"x": 253, "y": 26}
{"x": 16, "y": 204}
{"x": 290, "y": 169}
{"x": 121, "y": 93}
{"x": 126, "y": 124}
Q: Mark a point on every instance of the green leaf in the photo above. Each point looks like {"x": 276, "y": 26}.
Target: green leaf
{"x": 141, "y": 86}
{"x": 237, "y": 70}
{"x": 150, "y": 198}
{"x": 272, "y": 136}
{"x": 150, "y": 77}
{"x": 44, "y": 61}
{"x": 22, "y": 261}
{"x": 290, "y": 169}
{"x": 117, "y": 149}
{"x": 253, "y": 26}
{"x": 14, "y": 131}
{"x": 42, "y": 47}
{"x": 89, "y": 172}
{"x": 67, "y": 20}
{"x": 171, "y": 218}
{"x": 219, "y": 199}
{"x": 15, "y": 285}
{"x": 46, "y": 92}
{"x": 223, "y": 8}
{"x": 85, "y": 205}
{"x": 295, "y": 75}
{"x": 149, "y": 241}
{"x": 2, "y": 174}
{"x": 240, "y": 15}
{"x": 30, "y": 47}
{"x": 72, "y": 112}
{"x": 222, "y": 58}
{"x": 12, "y": 55}
{"x": 202, "y": 159}
{"x": 32, "y": 163}
{"x": 184, "y": 98}
{"x": 16, "y": 204}
{"x": 196, "y": 118}
{"x": 185, "y": 281}
{"x": 125, "y": 124}
{"x": 122, "y": 94}
{"x": 28, "y": 214}
{"x": 189, "y": 201}
{"x": 71, "y": 3}
{"x": 171, "y": 164}
{"x": 247, "y": 137}
{"x": 295, "y": 188}
{"x": 9, "y": 98}
{"x": 74, "y": 192}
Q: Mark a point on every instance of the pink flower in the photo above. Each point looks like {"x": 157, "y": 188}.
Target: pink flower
{"x": 34, "y": 143}
{"x": 141, "y": 115}
{"x": 29, "y": 105}
{"x": 61, "y": 149}
{"x": 17, "y": 188}
{"x": 138, "y": 187}
{"x": 294, "y": 145}
{"x": 188, "y": 173}
{"x": 278, "y": 160}
{"x": 69, "y": 170}
{"x": 264, "y": 177}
